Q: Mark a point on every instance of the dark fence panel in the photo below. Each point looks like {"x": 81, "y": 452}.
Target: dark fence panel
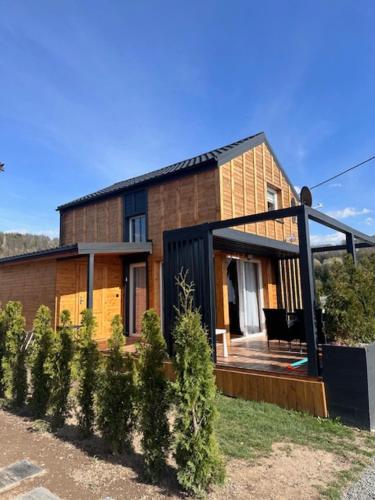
{"x": 189, "y": 250}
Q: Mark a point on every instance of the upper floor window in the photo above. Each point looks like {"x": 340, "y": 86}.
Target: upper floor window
{"x": 271, "y": 199}
{"x": 137, "y": 228}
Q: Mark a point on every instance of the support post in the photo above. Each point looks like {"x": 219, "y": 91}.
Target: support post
{"x": 350, "y": 246}
{"x": 90, "y": 280}
{"x": 308, "y": 296}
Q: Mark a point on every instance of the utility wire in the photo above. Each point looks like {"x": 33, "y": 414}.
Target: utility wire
{"x": 343, "y": 172}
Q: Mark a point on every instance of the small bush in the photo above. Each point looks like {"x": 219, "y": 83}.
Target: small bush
{"x": 61, "y": 371}
{"x": 197, "y": 453}
{"x": 41, "y": 351}
{"x": 14, "y": 361}
{"x": 350, "y": 304}
{"x": 153, "y": 396}
{"x": 116, "y": 415}
{"x": 2, "y": 353}
{"x": 87, "y": 365}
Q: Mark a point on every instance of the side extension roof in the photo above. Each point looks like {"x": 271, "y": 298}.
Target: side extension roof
{"x": 213, "y": 158}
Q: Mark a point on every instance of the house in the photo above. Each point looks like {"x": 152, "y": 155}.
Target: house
{"x": 111, "y": 241}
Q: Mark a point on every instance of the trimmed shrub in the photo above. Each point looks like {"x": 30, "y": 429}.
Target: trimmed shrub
{"x": 350, "y": 302}
{"x": 61, "y": 371}
{"x": 40, "y": 357}
{"x": 2, "y": 352}
{"x": 116, "y": 392}
{"x": 87, "y": 368}
{"x": 153, "y": 396}
{"x": 14, "y": 361}
{"x": 197, "y": 453}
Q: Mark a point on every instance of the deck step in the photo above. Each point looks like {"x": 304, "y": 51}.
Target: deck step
{"x": 13, "y": 474}
{"x": 39, "y": 493}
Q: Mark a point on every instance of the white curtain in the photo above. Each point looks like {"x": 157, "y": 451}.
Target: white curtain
{"x": 248, "y": 297}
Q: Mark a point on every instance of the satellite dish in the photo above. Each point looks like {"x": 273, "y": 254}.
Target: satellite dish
{"x": 306, "y": 196}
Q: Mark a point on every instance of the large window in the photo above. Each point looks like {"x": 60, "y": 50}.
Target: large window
{"x": 137, "y": 228}
{"x": 271, "y": 199}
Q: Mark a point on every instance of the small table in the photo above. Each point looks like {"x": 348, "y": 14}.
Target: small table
{"x": 223, "y": 332}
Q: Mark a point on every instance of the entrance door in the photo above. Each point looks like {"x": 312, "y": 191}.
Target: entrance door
{"x": 250, "y": 304}
{"x": 137, "y": 296}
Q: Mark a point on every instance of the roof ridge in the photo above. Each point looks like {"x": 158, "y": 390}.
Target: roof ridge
{"x": 171, "y": 169}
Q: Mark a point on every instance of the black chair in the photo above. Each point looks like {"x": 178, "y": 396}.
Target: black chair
{"x": 299, "y": 326}
{"x": 278, "y": 326}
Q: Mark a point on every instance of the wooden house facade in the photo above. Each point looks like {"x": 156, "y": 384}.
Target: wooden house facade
{"x": 242, "y": 178}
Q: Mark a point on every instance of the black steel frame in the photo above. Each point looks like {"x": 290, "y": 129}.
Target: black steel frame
{"x": 191, "y": 248}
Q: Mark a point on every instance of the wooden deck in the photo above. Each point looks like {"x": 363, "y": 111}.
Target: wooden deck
{"x": 253, "y": 354}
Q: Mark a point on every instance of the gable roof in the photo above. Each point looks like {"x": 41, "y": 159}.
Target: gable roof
{"x": 213, "y": 158}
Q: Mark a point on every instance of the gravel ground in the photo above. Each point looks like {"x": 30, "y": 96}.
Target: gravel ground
{"x": 364, "y": 488}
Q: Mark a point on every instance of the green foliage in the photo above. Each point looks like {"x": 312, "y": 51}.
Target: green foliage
{"x": 2, "y": 352}
{"x": 153, "y": 396}
{"x": 350, "y": 306}
{"x": 197, "y": 453}
{"x": 14, "y": 361}
{"x": 41, "y": 350}
{"x": 88, "y": 359}
{"x": 61, "y": 370}
{"x": 116, "y": 392}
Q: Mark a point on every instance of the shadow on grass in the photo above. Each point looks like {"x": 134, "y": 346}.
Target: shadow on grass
{"x": 97, "y": 447}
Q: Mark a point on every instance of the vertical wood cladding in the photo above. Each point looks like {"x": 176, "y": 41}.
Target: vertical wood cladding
{"x": 186, "y": 201}
{"x": 101, "y": 221}
{"x": 71, "y": 285}
{"x": 32, "y": 283}
{"x": 243, "y": 186}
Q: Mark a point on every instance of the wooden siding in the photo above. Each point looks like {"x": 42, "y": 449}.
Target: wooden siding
{"x": 189, "y": 200}
{"x": 293, "y": 393}
{"x": 32, "y": 283}
{"x": 101, "y": 221}
{"x": 243, "y": 186}
{"x": 71, "y": 283}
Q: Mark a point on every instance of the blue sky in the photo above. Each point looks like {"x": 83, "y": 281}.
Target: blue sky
{"x": 93, "y": 92}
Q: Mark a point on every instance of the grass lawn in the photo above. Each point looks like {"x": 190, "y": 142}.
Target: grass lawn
{"x": 248, "y": 429}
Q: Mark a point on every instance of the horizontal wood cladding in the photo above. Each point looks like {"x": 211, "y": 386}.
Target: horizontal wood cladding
{"x": 243, "y": 186}
{"x": 185, "y": 201}
{"x": 71, "y": 285}
{"x": 101, "y": 221}
{"x": 32, "y": 283}
{"x": 302, "y": 394}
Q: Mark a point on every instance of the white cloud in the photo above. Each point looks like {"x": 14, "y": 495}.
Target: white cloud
{"x": 298, "y": 189}
{"x": 335, "y": 185}
{"x": 349, "y": 212}
{"x": 326, "y": 239}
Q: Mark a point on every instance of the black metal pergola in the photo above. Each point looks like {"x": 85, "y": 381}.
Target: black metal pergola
{"x": 191, "y": 249}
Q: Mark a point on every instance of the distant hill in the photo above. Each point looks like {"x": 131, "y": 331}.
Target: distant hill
{"x": 16, "y": 243}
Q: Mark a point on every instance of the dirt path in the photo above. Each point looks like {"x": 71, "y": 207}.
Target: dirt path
{"x": 85, "y": 470}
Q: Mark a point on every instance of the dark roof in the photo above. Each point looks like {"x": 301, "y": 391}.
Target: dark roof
{"x": 40, "y": 253}
{"x": 213, "y": 158}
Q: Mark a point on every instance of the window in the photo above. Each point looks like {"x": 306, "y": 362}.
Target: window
{"x": 271, "y": 199}
{"x": 137, "y": 228}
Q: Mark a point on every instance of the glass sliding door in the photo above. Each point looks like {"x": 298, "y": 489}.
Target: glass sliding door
{"x": 250, "y": 300}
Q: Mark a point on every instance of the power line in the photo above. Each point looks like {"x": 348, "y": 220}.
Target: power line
{"x": 343, "y": 172}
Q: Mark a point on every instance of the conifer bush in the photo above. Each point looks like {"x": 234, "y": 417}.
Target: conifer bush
{"x": 196, "y": 449}
{"x": 154, "y": 398}
{"x": 2, "y": 352}
{"x": 116, "y": 392}
{"x": 40, "y": 356}
{"x": 87, "y": 369}
{"x": 14, "y": 361}
{"x": 61, "y": 365}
